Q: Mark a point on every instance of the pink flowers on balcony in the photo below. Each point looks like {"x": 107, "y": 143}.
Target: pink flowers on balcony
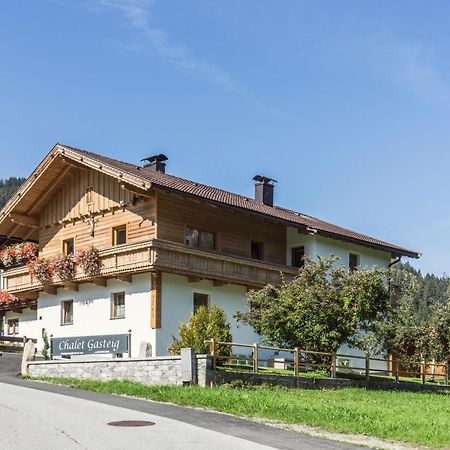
{"x": 90, "y": 261}
{"x": 42, "y": 270}
{"x": 18, "y": 254}
{"x": 7, "y": 299}
{"x": 63, "y": 268}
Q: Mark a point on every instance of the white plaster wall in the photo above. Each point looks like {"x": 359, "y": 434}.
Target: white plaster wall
{"x": 324, "y": 247}
{"x": 92, "y": 311}
{"x": 177, "y": 305}
{"x": 27, "y": 322}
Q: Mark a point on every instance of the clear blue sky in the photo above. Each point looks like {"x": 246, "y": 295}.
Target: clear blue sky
{"x": 346, "y": 104}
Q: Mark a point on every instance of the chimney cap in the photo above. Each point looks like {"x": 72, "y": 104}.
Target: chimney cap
{"x": 156, "y": 158}
{"x": 263, "y": 179}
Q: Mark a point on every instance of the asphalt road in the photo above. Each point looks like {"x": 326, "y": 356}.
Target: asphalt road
{"x": 43, "y": 416}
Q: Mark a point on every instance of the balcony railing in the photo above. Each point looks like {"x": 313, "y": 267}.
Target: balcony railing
{"x": 127, "y": 259}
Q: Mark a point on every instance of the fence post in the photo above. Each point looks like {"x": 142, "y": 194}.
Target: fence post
{"x": 423, "y": 372}
{"x": 333, "y": 365}
{"x": 296, "y": 361}
{"x": 213, "y": 353}
{"x": 397, "y": 369}
{"x": 255, "y": 357}
{"x": 367, "y": 359}
{"x": 129, "y": 343}
{"x": 446, "y": 372}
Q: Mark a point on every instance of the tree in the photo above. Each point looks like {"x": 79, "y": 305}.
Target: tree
{"x": 8, "y": 187}
{"x": 417, "y": 325}
{"x": 203, "y": 325}
{"x": 320, "y": 309}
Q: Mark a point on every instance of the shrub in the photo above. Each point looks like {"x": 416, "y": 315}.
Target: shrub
{"x": 203, "y": 325}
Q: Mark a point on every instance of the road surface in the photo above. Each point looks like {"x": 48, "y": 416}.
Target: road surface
{"x": 35, "y": 416}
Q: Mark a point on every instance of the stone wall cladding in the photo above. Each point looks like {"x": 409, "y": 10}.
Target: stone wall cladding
{"x": 150, "y": 371}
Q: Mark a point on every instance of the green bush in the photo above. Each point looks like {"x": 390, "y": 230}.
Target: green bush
{"x": 203, "y": 325}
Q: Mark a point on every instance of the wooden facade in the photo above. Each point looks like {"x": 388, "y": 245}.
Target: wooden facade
{"x": 86, "y": 205}
{"x": 233, "y": 231}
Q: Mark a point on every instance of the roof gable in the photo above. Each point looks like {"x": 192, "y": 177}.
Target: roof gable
{"x": 145, "y": 179}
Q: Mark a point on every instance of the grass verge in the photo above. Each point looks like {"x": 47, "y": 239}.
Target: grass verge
{"x": 416, "y": 418}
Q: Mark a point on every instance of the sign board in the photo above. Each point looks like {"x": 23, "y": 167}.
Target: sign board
{"x": 90, "y": 345}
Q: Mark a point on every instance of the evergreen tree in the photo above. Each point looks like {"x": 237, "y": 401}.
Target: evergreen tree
{"x": 8, "y": 187}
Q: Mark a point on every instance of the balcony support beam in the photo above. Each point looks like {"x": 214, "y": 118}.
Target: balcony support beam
{"x": 71, "y": 286}
{"x": 126, "y": 277}
{"x": 99, "y": 282}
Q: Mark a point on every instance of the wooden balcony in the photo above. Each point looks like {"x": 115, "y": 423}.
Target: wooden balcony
{"x": 155, "y": 255}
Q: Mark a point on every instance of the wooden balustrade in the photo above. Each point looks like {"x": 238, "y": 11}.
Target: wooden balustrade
{"x": 163, "y": 256}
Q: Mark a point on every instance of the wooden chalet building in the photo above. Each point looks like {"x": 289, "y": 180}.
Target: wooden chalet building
{"x": 167, "y": 245}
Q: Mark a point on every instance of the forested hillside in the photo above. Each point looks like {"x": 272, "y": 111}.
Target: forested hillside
{"x": 428, "y": 290}
{"x": 8, "y": 187}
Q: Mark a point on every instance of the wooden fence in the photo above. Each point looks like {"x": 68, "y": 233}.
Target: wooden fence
{"x": 13, "y": 344}
{"x": 303, "y": 361}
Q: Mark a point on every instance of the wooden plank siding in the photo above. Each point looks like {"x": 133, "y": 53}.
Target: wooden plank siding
{"x": 64, "y": 217}
{"x": 234, "y": 231}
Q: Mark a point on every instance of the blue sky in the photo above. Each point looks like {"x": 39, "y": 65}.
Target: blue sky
{"x": 346, "y": 104}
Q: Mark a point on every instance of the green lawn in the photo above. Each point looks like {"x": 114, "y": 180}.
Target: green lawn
{"x": 418, "y": 418}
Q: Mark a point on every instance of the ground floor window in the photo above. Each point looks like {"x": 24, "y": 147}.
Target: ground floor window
{"x": 13, "y": 326}
{"x": 118, "y": 305}
{"x": 200, "y": 300}
{"x": 67, "y": 312}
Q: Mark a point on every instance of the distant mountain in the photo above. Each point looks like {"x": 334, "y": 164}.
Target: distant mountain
{"x": 8, "y": 187}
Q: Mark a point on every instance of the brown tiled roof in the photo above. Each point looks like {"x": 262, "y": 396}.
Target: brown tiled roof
{"x": 212, "y": 194}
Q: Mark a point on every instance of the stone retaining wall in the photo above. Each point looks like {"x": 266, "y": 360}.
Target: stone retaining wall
{"x": 151, "y": 371}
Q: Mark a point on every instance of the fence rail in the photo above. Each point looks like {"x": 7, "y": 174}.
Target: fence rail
{"x": 303, "y": 361}
{"x": 13, "y": 344}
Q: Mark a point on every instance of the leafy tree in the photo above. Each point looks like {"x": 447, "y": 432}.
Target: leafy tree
{"x": 203, "y": 325}
{"x": 323, "y": 307}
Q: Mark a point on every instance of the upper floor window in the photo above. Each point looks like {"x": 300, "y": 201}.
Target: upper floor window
{"x": 353, "y": 261}
{"x": 257, "y": 250}
{"x": 200, "y": 300}
{"x": 204, "y": 240}
{"x": 298, "y": 257}
{"x": 120, "y": 235}
{"x": 118, "y": 305}
{"x": 68, "y": 246}
{"x": 67, "y": 312}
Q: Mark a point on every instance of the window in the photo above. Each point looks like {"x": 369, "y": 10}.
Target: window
{"x": 67, "y": 312}
{"x": 297, "y": 257}
{"x": 353, "y": 261}
{"x": 257, "y": 250}
{"x": 68, "y": 247}
{"x": 204, "y": 240}
{"x": 120, "y": 235}
{"x": 13, "y": 326}
{"x": 118, "y": 305}
{"x": 200, "y": 300}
